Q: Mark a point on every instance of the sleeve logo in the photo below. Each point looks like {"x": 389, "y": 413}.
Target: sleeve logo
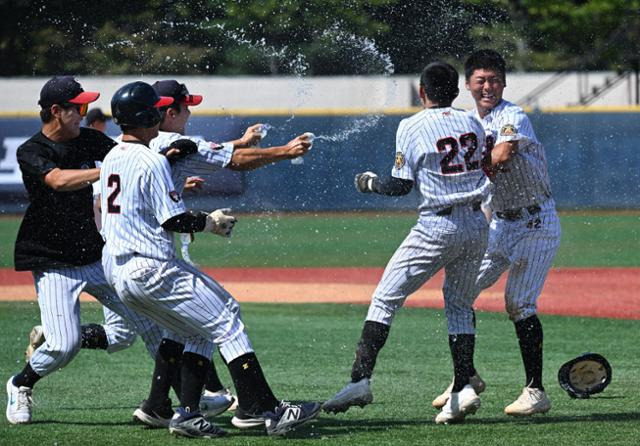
{"x": 508, "y": 130}
{"x": 175, "y": 196}
{"x": 399, "y": 160}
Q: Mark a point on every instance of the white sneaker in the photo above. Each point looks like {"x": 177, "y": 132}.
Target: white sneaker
{"x": 214, "y": 403}
{"x": 459, "y": 405}
{"x": 36, "y": 339}
{"x": 19, "y": 403}
{"x": 529, "y": 402}
{"x": 353, "y": 394}
{"x": 476, "y": 382}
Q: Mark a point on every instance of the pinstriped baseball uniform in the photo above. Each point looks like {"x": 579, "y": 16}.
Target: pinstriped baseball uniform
{"x": 439, "y": 149}
{"x": 58, "y": 241}
{"x": 210, "y": 157}
{"x": 138, "y": 195}
{"x": 525, "y": 231}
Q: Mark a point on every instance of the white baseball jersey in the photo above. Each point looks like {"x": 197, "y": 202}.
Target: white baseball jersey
{"x": 440, "y": 149}
{"x": 525, "y": 180}
{"x": 137, "y": 197}
{"x": 525, "y": 243}
{"x": 210, "y": 157}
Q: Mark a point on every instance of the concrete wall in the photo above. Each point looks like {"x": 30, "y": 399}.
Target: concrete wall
{"x": 251, "y": 95}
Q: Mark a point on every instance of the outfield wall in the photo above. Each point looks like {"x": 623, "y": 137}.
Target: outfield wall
{"x": 594, "y": 161}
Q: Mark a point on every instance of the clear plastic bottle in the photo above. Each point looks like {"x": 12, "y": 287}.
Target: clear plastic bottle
{"x": 300, "y": 160}
{"x": 264, "y": 129}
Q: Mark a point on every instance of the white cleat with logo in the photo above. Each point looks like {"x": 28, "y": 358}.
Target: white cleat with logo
{"x": 530, "y": 401}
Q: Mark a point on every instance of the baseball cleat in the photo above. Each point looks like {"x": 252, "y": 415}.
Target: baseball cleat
{"x": 459, "y": 405}
{"x": 529, "y": 402}
{"x": 193, "y": 425}
{"x": 244, "y": 420}
{"x": 214, "y": 403}
{"x": 36, "y": 339}
{"x": 353, "y": 394}
{"x": 288, "y": 416}
{"x": 153, "y": 416}
{"x": 19, "y": 403}
{"x": 476, "y": 382}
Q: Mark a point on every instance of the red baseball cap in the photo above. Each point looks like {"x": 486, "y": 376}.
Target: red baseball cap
{"x": 61, "y": 89}
{"x": 177, "y": 91}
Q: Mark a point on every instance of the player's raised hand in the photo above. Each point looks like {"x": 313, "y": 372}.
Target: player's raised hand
{"x": 298, "y": 146}
{"x": 364, "y": 182}
{"x": 220, "y": 222}
{"x": 252, "y": 136}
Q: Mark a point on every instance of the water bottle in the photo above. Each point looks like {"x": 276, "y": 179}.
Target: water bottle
{"x": 264, "y": 129}
{"x": 299, "y": 160}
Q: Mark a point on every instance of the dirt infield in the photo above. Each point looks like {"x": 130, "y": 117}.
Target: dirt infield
{"x": 606, "y": 293}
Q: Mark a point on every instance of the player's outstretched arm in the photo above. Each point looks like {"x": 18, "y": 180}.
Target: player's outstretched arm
{"x": 368, "y": 182}
{"x": 66, "y": 180}
{"x": 250, "y": 159}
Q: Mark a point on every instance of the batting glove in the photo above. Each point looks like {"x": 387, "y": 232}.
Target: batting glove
{"x": 364, "y": 182}
{"x": 219, "y": 222}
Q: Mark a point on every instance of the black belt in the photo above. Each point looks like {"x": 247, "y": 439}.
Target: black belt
{"x": 516, "y": 214}
{"x": 447, "y": 211}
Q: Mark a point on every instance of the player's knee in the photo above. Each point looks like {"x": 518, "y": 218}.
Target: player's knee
{"x": 62, "y": 350}
{"x": 519, "y": 312}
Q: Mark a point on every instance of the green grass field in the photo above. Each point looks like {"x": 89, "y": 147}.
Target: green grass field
{"x": 307, "y": 240}
{"x": 306, "y": 351}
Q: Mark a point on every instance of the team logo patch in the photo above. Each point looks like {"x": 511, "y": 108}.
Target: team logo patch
{"x": 175, "y": 196}
{"x": 216, "y": 146}
{"x": 508, "y": 130}
{"x": 399, "y": 160}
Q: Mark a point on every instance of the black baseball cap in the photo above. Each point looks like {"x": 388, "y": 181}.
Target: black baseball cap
{"x": 65, "y": 89}
{"x": 95, "y": 114}
{"x": 177, "y": 91}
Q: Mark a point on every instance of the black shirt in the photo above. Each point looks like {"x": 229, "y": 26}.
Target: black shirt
{"x": 58, "y": 228}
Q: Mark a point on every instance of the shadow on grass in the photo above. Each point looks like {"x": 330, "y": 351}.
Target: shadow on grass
{"x": 336, "y": 426}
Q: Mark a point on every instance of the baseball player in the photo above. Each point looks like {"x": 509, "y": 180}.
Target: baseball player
{"x": 140, "y": 210}
{"x": 210, "y": 156}
{"x": 439, "y": 151}
{"x": 95, "y": 119}
{"x": 525, "y": 230}
{"x": 58, "y": 241}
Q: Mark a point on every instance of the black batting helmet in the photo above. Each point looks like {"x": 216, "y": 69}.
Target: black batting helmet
{"x": 135, "y": 105}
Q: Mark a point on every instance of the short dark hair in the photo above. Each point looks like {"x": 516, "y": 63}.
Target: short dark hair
{"x": 440, "y": 82}
{"x": 46, "y": 115}
{"x": 485, "y": 59}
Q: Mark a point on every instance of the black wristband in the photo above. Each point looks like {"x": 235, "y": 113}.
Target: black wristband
{"x": 190, "y": 221}
{"x": 392, "y": 186}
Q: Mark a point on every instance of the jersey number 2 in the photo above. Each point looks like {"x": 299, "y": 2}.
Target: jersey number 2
{"x": 112, "y": 207}
{"x": 451, "y": 146}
